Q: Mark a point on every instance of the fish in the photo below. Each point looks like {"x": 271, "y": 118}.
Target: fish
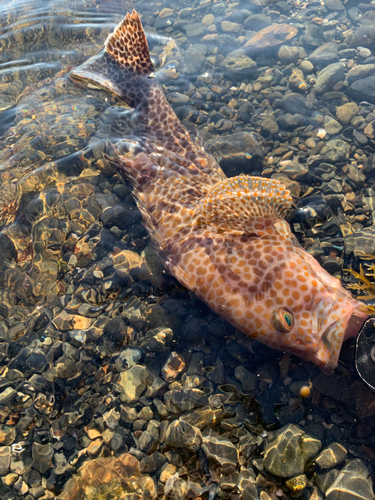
{"x": 225, "y": 239}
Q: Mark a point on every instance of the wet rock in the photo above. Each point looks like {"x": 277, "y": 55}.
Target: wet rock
{"x": 364, "y": 36}
{"x": 324, "y": 55}
{"x": 328, "y": 77}
{"x": 288, "y": 54}
{"x": 297, "y": 483}
{"x": 7, "y": 434}
{"x": 110, "y": 477}
{"x": 5, "y": 453}
{"x": 239, "y": 66}
{"x": 194, "y": 30}
{"x": 334, "y": 5}
{"x": 335, "y": 150}
{"x": 173, "y": 367}
{"x": 269, "y": 37}
{"x": 42, "y": 456}
{"x": 307, "y": 67}
{"x": 219, "y": 449}
{"x": 269, "y": 125}
{"x": 132, "y": 383}
{"x": 359, "y": 72}
{"x": 229, "y": 27}
{"x": 194, "y": 59}
{"x": 353, "y": 482}
{"x": 313, "y": 35}
{"x": 331, "y": 125}
{"x": 363, "y": 89}
{"x": 297, "y": 81}
{"x": 286, "y": 456}
{"x": 257, "y": 22}
{"x": 293, "y": 169}
{"x": 37, "y": 362}
{"x": 347, "y": 112}
{"x": 181, "y": 434}
{"x": 326, "y": 479}
{"x": 295, "y": 103}
{"x": 331, "y": 456}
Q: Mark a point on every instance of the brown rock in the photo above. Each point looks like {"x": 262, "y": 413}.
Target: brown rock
{"x": 272, "y": 36}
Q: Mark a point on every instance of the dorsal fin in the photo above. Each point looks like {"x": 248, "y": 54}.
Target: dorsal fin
{"x": 127, "y": 45}
{"x": 246, "y": 204}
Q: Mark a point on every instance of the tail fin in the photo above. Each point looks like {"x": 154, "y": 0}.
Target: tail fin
{"x": 127, "y": 45}
{"x": 124, "y": 64}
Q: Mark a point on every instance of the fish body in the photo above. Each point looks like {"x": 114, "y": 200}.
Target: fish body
{"x": 225, "y": 239}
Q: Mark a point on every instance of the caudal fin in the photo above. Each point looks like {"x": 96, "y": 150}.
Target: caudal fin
{"x": 127, "y": 45}
{"x": 124, "y": 65}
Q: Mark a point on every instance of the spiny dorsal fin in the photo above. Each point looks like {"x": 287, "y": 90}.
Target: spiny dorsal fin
{"x": 127, "y": 45}
{"x": 246, "y": 204}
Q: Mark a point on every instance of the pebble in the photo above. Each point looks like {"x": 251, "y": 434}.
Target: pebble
{"x": 331, "y": 456}
{"x": 328, "y": 77}
{"x": 132, "y": 383}
{"x": 347, "y": 112}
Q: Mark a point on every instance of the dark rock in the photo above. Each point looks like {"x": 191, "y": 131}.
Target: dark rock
{"x": 363, "y": 90}
{"x": 335, "y": 5}
{"x": 238, "y": 66}
{"x": 313, "y": 35}
{"x": 257, "y": 22}
{"x": 37, "y": 362}
{"x": 324, "y": 55}
{"x": 364, "y": 36}
{"x": 328, "y": 77}
{"x": 353, "y": 482}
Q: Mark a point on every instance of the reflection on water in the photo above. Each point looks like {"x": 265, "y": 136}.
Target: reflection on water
{"x": 101, "y": 352}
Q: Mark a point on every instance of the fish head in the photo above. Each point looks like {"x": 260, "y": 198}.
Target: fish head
{"x": 276, "y": 291}
{"x": 305, "y": 311}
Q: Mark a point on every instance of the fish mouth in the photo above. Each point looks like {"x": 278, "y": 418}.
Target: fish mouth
{"x": 346, "y": 321}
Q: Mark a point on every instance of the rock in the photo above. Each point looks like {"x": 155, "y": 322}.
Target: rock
{"x": 307, "y": 67}
{"x": 364, "y": 36}
{"x": 335, "y": 151}
{"x": 331, "y": 456}
{"x": 269, "y": 125}
{"x": 287, "y": 455}
{"x": 370, "y": 130}
{"x": 324, "y": 55}
{"x": 37, "y": 362}
{"x": 5, "y": 453}
{"x": 335, "y": 5}
{"x": 313, "y": 35}
{"x": 132, "y": 383}
{"x": 328, "y": 77}
{"x": 42, "y": 456}
{"x": 296, "y": 103}
{"x": 325, "y": 480}
{"x": 229, "y": 27}
{"x": 7, "y": 435}
{"x": 181, "y": 434}
{"x": 257, "y": 22}
{"x": 239, "y": 66}
{"x": 288, "y": 55}
{"x": 359, "y": 72}
{"x": 296, "y": 484}
{"x": 347, "y": 112}
{"x": 363, "y": 90}
{"x": 110, "y": 477}
{"x": 194, "y": 59}
{"x": 194, "y": 30}
{"x": 269, "y": 37}
{"x": 173, "y": 367}
{"x": 331, "y": 125}
{"x": 208, "y": 20}
{"x": 353, "y": 483}
{"x": 297, "y": 81}
{"x": 219, "y": 449}
{"x": 293, "y": 169}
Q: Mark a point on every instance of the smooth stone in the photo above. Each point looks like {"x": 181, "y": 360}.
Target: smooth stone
{"x": 363, "y": 90}
{"x": 331, "y": 125}
{"x": 257, "y": 22}
{"x": 219, "y": 449}
{"x": 269, "y": 124}
{"x": 194, "y": 30}
{"x": 324, "y": 480}
{"x": 208, "y": 20}
{"x": 307, "y": 67}
{"x": 328, "y": 77}
{"x": 347, "y": 112}
{"x": 324, "y": 55}
{"x": 359, "y": 72}
{"x": 334, "y": 5}
{"x": 335, "y": 150}
{"x": 181, "y": 434}
{"x": 132, "y": 383}
{"x": 331, "y": 456}
{"x": 174, "y": 365}
{"x": 353, "y": 483}
{"x": 239, "y": 66}
{"x": 313, "y": 35}
{"x": 42, "y": 456}
{"x": 287, "y": 455}
{"x": 229, "y": 27}
{"x": 5, "y": 454}
{"x": 364, "y": 36}
{"x": 288, "y": 54}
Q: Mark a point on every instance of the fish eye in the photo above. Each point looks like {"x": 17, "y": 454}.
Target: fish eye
{"x": 282, "y": 320}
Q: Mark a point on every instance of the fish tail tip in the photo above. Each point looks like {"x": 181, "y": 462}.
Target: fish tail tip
{"x": 128, "y": 46}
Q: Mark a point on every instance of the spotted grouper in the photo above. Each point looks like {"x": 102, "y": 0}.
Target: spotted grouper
{"x": 225, "y": 239}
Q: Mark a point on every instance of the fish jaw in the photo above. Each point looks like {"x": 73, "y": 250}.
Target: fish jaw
{"x": 344, "y": 320}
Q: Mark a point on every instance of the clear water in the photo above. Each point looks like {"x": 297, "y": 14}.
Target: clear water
{"x": 57, "y": 189}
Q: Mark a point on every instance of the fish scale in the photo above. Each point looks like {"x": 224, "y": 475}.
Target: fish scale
{"x": 224, "y": 239}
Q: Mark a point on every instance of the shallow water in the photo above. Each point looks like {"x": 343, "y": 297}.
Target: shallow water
{"x": 88, "y": 317}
